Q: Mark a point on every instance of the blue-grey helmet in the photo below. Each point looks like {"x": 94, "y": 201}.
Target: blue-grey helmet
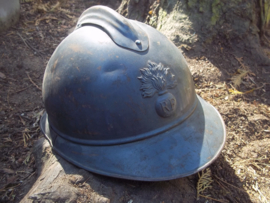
{"x": 120, "y": 101}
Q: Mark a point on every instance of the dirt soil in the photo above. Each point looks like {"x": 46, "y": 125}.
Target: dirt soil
{"x": 236, "y": 86}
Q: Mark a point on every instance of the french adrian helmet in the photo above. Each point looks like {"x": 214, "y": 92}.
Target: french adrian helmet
{"x": 120, "y": 102}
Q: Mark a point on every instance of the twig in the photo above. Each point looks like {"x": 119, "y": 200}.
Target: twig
{"x": 212, "y": 198}
{"x": 30, "y": 175}
{"x": 33, "y": 82}
{"x": 21, "y": 90}
{"x": 251, "y": 159}
{"x": 259, "y": 87}
{"x": 8, "y": 97}
{"x": 11, "y": 79}
{"x": 265, "y": 38}
{"x": 230, "y": 184}
{"x": 87, "y": 179}
{"x": 29, "y": 45}
{"x": 221, "y": 185}
{"x": 256, "y": 188}
{"x": 4, "y": 188}
{"x": 24, "y": 41}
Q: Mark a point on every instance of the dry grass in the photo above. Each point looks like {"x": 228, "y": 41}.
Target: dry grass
{"x": 204, "y": 181}
{"x": 247, "y": 117}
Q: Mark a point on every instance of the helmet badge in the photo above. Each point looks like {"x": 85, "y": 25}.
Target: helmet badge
{"x": 158, "y": 79}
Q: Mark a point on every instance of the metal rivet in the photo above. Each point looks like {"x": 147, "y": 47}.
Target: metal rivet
{"x": 138, "y": 41}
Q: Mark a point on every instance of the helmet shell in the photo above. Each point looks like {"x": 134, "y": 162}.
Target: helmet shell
{"x": 112, "y": 88}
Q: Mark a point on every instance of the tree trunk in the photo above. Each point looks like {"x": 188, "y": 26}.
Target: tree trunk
{"x": 199, "y": 23}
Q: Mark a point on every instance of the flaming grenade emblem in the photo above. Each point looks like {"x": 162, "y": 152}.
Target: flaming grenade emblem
{"x": 158, "y": 79}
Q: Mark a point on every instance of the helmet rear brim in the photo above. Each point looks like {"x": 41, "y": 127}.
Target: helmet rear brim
{"x": 181, "y": 151}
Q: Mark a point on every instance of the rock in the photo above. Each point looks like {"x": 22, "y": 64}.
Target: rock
{"x": 60, "y": 181}
{"x": 9, "y": 13}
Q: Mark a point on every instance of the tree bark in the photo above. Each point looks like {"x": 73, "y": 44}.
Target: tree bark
{"x": 199, "y": 23}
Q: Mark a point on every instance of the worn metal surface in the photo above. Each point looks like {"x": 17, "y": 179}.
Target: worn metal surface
{"x": 125, "y": 113}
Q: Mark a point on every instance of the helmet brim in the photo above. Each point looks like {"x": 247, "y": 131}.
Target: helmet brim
{"x": 181, "y": 151}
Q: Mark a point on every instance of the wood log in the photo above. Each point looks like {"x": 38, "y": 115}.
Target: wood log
{"x": 60, "y": 181}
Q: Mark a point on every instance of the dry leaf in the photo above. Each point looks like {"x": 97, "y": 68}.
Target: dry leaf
{"x": 37, "y": 116}
{"x": 11, "y": 33}
{"x": 26, "y": 137}
{"x": 40, "y": 7}
{"x": 2, "y": 75}
{"x": 64, "y": 10}
{"x": 27, "y": 159}
{"x": 7, "y": 139}
{"x": 23, "y": 122}
{"x": 69, "y": 16}
{"x": 257, "y": 117}
{"x": 185, "y": 46}
{"x": 240, "y": 60}
{"x": 223, "y": 86}
{"x": 237, "y": 79}
{"x": 262, "y": 197}
{"x": 55, "y": 6}
{"x": 238, "y": 92}
{"x": 11, "y": 179}
{"x": 44, "y": 18}
{"x": 8, "y": 170}
{"x": 255, "y": 103}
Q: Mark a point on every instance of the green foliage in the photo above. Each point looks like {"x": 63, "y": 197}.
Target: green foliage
{"x": 265, "y": 12}
{"x": 216, "y": 10}
{"x": 192, "y": 3}
{"x": 203, "y": 6}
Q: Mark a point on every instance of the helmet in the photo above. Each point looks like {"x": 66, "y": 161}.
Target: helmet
{"x": 120, "y": 101}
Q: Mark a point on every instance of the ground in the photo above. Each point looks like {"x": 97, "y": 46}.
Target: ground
{"x": 236, "y": 86}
